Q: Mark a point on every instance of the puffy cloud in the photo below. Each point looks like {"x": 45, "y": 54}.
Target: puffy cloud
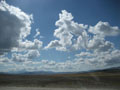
{"x": 81, "y": 42}
{"x": 104, "y": 29}
{"x": 33, "y": 54}
{"x": 44, "y": 61}
{"x": 82, "y": 54}
{"x": 26, "y": 56}
{"x": 36, "y": 44}
{"x": 99, "y": 53}
{"x": 113, "y": 57}
{"x": 53, "y": 44}
{"x": 67, "y": 30}
{"x": 83, "y": 61}
{"x": 74, "y": 36}
{"x": 66, "y": 23}
{"x": 99, "y": 44}
{"x": 56, "y": 44}
{"x": 99, "y": 59}
{"x": 15, "y": 26}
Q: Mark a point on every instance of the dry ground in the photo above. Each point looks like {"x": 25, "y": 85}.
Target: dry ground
{"x": 85, "y": 81}
{"x": 39, "y": 88}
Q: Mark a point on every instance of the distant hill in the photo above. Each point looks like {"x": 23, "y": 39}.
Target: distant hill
{"x": 107, "y": 70}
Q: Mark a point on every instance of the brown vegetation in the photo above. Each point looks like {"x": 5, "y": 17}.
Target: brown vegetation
{"x": 94, "y": 79}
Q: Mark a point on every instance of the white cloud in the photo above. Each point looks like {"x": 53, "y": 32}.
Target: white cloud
{"x": 81, "y": 42}
{"x": 37, "y": 33}
{"x": 53, "y": 44}
{"x": 15, "y": 26}
{"x": 25, "y": 56}
{"x": 99, "y": 44}
{"x": 66, "y": 23}
{"x": 67, "y": 30}
{"x": 36, "y": 44}
{"x": 100, "y": 59}
{"x": 33, "y": 54}
{"x": 44, "y": 61}
{"x": 74, "y": 36}
{"x": 82, "y": 54}
{"x": 99, "y": 53}
{"x": 83, "y": 61}
{"x": 104, "y": 29}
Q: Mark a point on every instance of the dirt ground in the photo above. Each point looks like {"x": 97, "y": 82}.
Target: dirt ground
{"x": 39, "y": 88}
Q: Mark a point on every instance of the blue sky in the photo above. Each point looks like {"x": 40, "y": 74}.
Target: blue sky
{"x": 101, "y": 32}
{"x": 88, "y": 12}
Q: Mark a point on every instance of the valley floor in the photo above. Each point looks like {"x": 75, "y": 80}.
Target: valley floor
{"x": 39, "y": 88}
{"x": 84, "y": 81}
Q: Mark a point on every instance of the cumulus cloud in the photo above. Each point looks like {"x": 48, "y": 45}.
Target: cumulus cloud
{"x": 83, "y": 61}
{"x": 104, "y": 29}
{"x": 81, "y": 42}
{"x": 100, "y": 59}
{"x": 33, "y": 54}
{"x": 36, "y": 44}
{"x": 73, "y": 36}
{"x": 66, "y": 31}
{"x": 99, "y": 44}
{"x": 26, "y": 56}
{"x": 15, "y": 26}
{"x": 114, "y": 57}
{"x": 53, "y": 44}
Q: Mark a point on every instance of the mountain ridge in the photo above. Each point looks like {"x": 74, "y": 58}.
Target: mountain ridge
{"x": 108, "y": 70}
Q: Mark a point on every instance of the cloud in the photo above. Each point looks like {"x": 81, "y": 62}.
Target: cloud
{"x": 99, "y": 59}
{"x": 99, "y": 44}
{"x": 33, "y": 54}
{"x": 36, "y": 44}
{"x": 4, "y": 60}
{"x": 53, "y": 44}
{"x": 74, "y": 36}
{"x": 81, "y": 42}
{"x": 83, "y": 61}
{"x": 114, "y": 57}
{"x": 25, "y": 56}
{"x": 15, "y": 26}
{"x": 37, "y": 33}
{"x": 82, "y": 54}
{"x": 104, "y": 29}
{"x": 66, "y": 23}
{"x": 66, "y": 31}
{"x": 96, "y": 51}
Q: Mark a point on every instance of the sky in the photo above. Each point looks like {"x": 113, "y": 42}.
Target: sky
{"x": 59, "y": 35}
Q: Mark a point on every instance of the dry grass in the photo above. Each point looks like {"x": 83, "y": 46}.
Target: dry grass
{"x": 95, "y": 79}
